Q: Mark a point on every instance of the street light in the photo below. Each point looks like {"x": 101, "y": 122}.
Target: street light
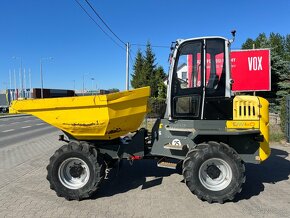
{"x": 92, "y": 84}
{"x": 84, "y": 82}
{"x": 41, "y": 76}
{"x": 21, "y": 79}
{"x": 74, "y": 81}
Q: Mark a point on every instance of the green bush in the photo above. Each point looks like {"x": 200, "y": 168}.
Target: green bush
{"x": 276, "y": 136}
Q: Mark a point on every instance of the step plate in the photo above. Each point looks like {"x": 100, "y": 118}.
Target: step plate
{"x": 168, "y": 165}
{"x": 173, "y": 147}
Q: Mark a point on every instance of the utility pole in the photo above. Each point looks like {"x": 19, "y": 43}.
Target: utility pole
{"x": 10, "y": 79}
{"x": 41, "y": 75}
{"x": 10, "y": 85}
{"x": 30, "y": 87}
{"x": 21, "y": 95}
{"x": 92, "y": 84}
{"x": 74, "y": 87}
{"x": 15, "y": 86}
{"x": 20, "y": 75}
{"x": 41, "y": 78}
{"x": 24, "y": 87}
{"x": 127, "y": 65}
{"x": 83, "y": 84}
{"x": 20, "y": 81}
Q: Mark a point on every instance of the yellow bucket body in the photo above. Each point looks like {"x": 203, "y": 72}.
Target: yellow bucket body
{"x": 97, "y": 117}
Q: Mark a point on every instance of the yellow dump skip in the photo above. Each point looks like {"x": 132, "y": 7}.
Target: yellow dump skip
{"x": 97, "y": 117}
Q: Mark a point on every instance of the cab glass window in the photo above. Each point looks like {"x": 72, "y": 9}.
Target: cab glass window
{"x": 188, "y": 70}
{"x": 215, "y": 64}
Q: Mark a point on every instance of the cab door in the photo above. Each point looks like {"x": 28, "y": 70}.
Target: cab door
{"x": 187, "y": 81}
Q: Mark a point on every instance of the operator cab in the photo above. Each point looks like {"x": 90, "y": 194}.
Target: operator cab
{"x": 199, "y": 79}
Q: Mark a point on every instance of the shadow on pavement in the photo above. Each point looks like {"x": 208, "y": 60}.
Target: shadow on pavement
{"x": 273, "y": 170}
{"x": 131, "y": 177}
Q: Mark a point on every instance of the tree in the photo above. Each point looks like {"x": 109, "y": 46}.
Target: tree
{"x": 161, "y": 87}
{"x": 280, "y": 72}
{"x": 280, "y": 69}
{"x": 248, "y": 44}
{"x": 262, "y": 41}
{"x": 113, "y": 90}
{"x": 138, "y": 77}
{"x": 146, "y": 73}
{"x": 149, "y": 69}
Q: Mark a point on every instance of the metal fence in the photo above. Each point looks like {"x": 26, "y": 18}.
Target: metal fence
{"x": 157, "y": 108}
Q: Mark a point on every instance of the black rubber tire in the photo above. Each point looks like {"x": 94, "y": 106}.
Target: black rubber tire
{"x": 86, "y": 153}
{"x": 203, "y": 152}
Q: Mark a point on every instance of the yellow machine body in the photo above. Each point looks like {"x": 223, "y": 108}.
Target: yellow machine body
{"x": 251, "y": 112}
{"x": 96, "y": 117}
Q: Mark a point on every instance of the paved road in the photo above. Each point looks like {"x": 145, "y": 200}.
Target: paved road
{"x": 16, "y": 129}
{"x": 141, "y": 190}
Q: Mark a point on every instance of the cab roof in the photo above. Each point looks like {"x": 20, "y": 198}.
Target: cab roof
{"x": 180, "y": 41}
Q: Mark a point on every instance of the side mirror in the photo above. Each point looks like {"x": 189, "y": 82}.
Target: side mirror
{"x": 233, "y": 32}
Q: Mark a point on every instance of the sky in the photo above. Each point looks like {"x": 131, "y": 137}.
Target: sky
{"x": 35, "y": 30}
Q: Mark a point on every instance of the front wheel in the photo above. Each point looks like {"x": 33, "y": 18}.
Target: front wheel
{"x": 214, "y": 172}
{"x": 75, "y": 171}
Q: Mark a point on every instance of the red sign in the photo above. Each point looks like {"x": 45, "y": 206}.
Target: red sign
{"x": 251, "y": 70}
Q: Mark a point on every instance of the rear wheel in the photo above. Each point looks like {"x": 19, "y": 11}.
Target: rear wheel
{"x": 75, "y": 171}
{"x": 214, "y": 172}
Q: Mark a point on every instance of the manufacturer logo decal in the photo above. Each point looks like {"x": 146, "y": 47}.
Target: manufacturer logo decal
{"x": 176, "y": 142}
{"x": 244, "y": 124}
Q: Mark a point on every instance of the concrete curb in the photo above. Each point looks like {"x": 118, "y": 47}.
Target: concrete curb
{"x": 16, "y": 115}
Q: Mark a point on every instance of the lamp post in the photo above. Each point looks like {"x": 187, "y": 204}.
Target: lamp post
{"x": 74, "y": 82}
{"x": 83, "y": 84}
{"x": 92, "y": 84}
{"x": 20, "y": 74}
{"x": 15, "y": 86}
{"x": 41, "y": 74}
{"x": 84, "y": 75}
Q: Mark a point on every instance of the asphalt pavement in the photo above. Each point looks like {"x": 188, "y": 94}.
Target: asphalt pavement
{"x": 22, "y": 128}
{"x": 138, "y": 190}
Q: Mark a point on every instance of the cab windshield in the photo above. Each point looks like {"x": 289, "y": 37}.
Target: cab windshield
{"x": 189, "y": 71}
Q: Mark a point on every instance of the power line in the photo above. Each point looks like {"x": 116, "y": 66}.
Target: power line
{"x": 132, "y": 61}
{"x": 153, "y": 46}
{"x": 98, "y": 25}
{"x": 104, "y": 22}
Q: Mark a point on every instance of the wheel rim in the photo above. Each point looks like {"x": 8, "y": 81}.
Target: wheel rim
{"x": 73, "y": 173}
{"x": 215, "y": 174}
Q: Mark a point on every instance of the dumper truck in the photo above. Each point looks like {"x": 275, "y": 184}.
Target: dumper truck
{"x": 206, "y": 130}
